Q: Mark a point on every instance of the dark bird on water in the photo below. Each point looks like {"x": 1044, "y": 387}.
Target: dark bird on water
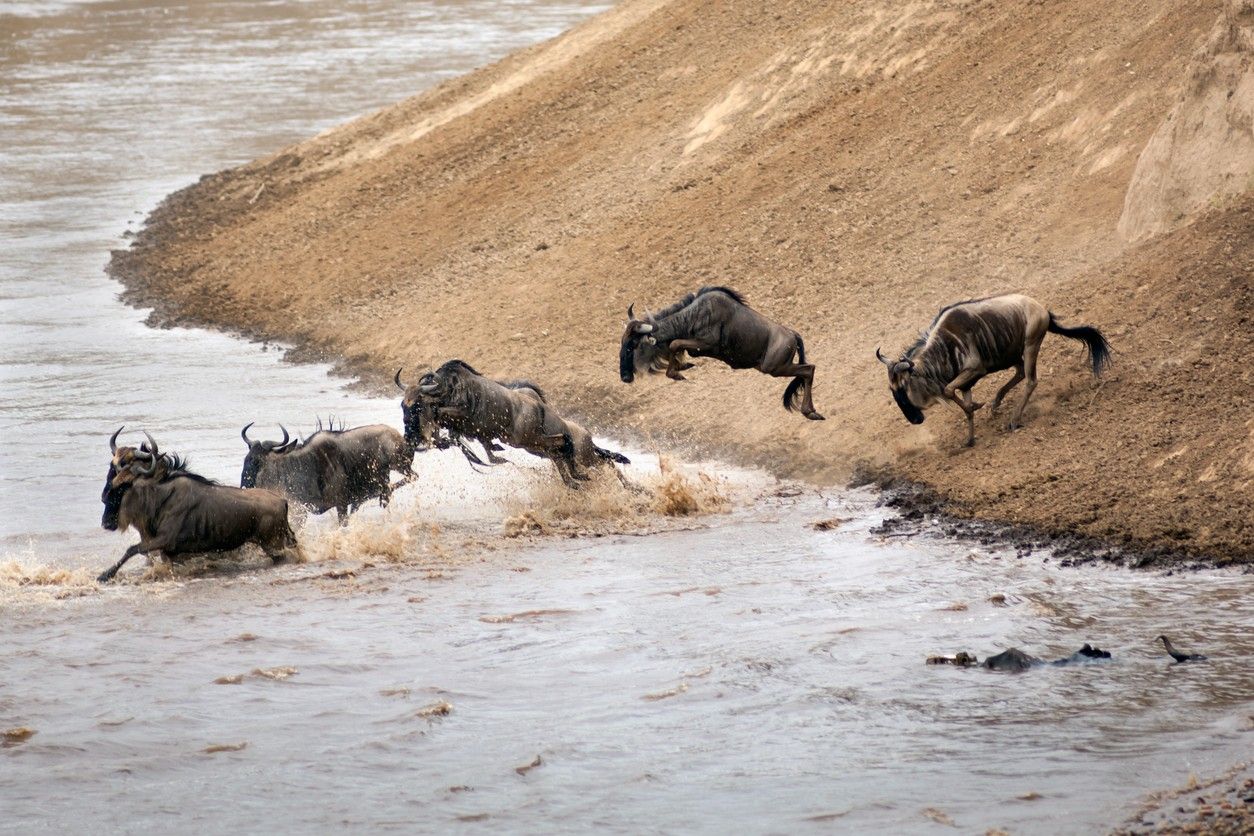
{"x": 1177, "y": 655}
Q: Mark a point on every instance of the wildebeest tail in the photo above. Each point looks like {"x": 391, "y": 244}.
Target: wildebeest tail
{"x": 1099, "y": 349}
{"x": 792, "y": 394}
{"x": 611, "y": 455}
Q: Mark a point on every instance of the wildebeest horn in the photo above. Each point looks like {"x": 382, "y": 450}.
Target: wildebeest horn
{"x": 428, "y": 388}
{"x": 156, "y": 457}
{"x": 286, "y": 438}
{"x": 631, "y": 311}
{"x": 644, "y": 328}
{"x": 903, "y": 366}
{"x": 113, "y": 440}
{"x": 244, "y": 433}
{"x": 399, "y": 385}
{"x": 879, "y": 355}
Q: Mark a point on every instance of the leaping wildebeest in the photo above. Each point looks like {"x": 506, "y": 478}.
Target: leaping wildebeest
{"x": 717, "y": 322}
{"x": 457, "y": 399}
{"x": 340, "y": 469}
{"x": 177, "y": 512}
{"x": 969, "y": 340}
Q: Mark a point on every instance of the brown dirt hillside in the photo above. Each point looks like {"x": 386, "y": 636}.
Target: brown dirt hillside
{"x": 851, "y": 168}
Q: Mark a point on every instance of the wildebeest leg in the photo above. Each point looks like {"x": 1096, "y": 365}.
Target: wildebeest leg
{"x": 490, "y": 449}
{"x": 107, "y": 574}
{"x": 676, "y": 363}
{"x": 341, "y": 513}
{"x": 1029, "y": 368}
{"x": 963, "y": 382}
{"x": 805, "y": 372}
{"x": 1002, "y": 392}
{"x": 567, "y": 471}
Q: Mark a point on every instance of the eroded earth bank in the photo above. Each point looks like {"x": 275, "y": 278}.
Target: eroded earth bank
{"x": 850, "y": 169}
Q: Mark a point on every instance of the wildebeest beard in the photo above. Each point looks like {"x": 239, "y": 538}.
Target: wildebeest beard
{"x": 112, "y": 499}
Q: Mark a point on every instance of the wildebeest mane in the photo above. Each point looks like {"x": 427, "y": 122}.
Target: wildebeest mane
{"x": 671, "y": 310}
{"x": 176, "y": 468}
{"x": 455, "y": 364}
{"x": 927, "y": 332}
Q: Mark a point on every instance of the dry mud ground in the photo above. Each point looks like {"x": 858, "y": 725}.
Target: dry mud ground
{"x": 850, "y": 168}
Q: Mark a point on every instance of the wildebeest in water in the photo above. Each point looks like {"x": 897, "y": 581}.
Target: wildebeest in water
{"x": 969, "y": 340}
{"x": 717, "y": 322}
{"x": 177, "y": 512}
{"x": 340, "y": 469}
{"x": 457, "y": 399}
{"x": 423, "y": 430}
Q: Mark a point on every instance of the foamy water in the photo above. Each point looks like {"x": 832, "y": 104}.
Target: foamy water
{"x": 492, "y": 652}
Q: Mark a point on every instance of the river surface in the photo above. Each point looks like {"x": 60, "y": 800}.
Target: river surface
{"x": 734, "y": 669}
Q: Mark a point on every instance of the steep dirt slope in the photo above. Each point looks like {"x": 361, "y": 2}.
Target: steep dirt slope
{"x": 850, "y": 167}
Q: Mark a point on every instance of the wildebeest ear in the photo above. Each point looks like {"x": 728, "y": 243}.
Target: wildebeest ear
{"x": 651, "y": 340}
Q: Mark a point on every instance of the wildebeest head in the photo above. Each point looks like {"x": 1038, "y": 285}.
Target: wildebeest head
{"x": 903, "y": 385}
{"x": 259, "y": 452}
{"x": 126, "y": 465}
{"x": 639, "y": 347}
{"x": 417, "y": 402}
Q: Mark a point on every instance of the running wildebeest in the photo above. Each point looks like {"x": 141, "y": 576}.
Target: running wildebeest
{"x": 339, "y": 469}
{"x": 422, "y": 430}
{"x": 177, "y": 512}
{"x": 717, "y": 322}
{"x": 969, "y": 340}
{"x": 465, "y": 404}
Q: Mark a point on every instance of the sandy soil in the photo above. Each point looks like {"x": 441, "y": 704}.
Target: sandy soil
{"x": 851, "y": 169}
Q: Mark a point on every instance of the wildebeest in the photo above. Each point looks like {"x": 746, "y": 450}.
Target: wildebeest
{"x": 457, "y": 399}
{"x": 717, "y": 322}
{"x": 422, "y": 430}
{"x": 969, "y": 340}
{"x": 339, "y": 469}
{"x": 177, "y": 512}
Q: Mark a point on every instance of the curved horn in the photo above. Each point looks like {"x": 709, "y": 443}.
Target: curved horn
{"x": 270, "y": 445}
{"x": 399, "y": 385}
{"x": 631, "y": 311}
{"x": 644, "y": 328}
{"x": 428, "y": 388}
{"x": 879, "y": 355}
{"x": 156, "y": 457}
{"x": 244, "y": 433}
{"x": 113, "y": 440}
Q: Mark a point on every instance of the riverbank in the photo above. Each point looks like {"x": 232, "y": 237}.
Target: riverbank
{"x": 850, "y": 170}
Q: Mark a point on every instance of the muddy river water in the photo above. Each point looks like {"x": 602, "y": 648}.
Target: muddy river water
{"x": 735, "y": 669}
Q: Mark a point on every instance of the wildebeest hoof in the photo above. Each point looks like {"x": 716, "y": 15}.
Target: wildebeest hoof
{"x": 970, "y": 443}
{"x": 105, "y": 577}
{"x": 676, "y": 376}
{"x": 1012, "y": 426}
{"x": 814, "y": 416}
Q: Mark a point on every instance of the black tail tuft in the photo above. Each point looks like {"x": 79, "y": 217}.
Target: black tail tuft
{"x": 611, "y": 455}
{"x": 1099, "y": 349}
{"x": 792, "y": 393}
